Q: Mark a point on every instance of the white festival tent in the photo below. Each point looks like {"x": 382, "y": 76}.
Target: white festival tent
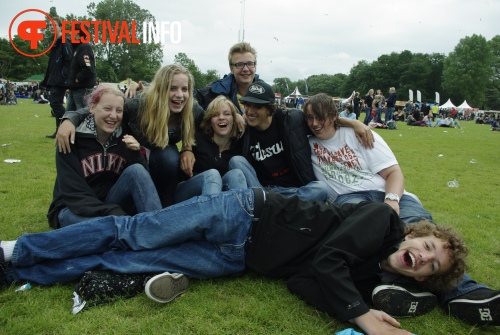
{"x": 464, "y": 105}
{"x": 448, "y": 104}
{"x": 295, "y": 93}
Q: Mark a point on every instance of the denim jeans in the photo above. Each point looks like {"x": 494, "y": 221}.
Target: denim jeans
{"x": 368, "y": 117}
{"x": 134, "y": 192}
{"x": 164, "y": 169}
{"x": 209, "y": 182}
{"x": 411, "y": 210}
{"x": 196, "y": 238}
{"x": 389, "y": 111}
{"x": 76, "y": 98}
{"x": 379, "y": 115}
{"x": 314, "y": 191}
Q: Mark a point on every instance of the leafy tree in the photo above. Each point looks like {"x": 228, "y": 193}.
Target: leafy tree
{"x": 17, "y": 67}
{"x": 200, "y": 79}
{"x": 126, "y": 60}
{"x": 467, "y": 70}
{"x": 493, "y": 89}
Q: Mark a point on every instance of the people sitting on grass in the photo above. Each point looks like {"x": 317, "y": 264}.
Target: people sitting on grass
{"x": 348, "y": 113}
{"x": 11, "y": 99}
{"x": 105, "y": 173}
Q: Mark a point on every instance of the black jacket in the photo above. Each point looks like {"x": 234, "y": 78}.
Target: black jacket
{"x": 81, "y": 185}
{"x": 329, "y": 254}
{"x": 207, "y": 155}
{"x": 82, "y": 67}
{"x": 59, "y": 63}
{"x": 293, "y": 132}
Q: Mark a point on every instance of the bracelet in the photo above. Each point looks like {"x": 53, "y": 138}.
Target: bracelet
{"x": 180, "y": 153}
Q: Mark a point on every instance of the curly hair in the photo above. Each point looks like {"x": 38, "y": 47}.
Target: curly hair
{"x": 456, "y": 249}
{"x": 323, "y": 107}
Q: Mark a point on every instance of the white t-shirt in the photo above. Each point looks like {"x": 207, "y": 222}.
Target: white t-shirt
{"x": 344, "y": 164}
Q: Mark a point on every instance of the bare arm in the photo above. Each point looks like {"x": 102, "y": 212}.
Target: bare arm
{"x": 394, "y": 183}
{"x": 187, "y": 160}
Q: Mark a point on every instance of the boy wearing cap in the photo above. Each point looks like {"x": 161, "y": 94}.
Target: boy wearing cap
{"x": 276, "y": 154}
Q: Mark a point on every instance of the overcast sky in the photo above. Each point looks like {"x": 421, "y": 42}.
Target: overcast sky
{"x": 296, "y": 39}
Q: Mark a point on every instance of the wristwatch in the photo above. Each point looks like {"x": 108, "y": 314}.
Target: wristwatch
{"x": 392, "y": 196}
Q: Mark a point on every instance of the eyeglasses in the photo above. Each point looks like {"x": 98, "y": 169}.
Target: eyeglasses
{"x": 241, "y": 65}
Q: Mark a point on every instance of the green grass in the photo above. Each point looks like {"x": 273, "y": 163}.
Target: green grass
{"x": 248, "y": 304}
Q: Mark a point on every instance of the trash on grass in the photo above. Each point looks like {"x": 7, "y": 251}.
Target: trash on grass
{"x": 24, "y": 287}
{"x": 440, "y": 155}
{"x": 5, "y": 144}
{"x": 473, "y": 161}
{"x": 10, "y": 161}
{"x": 453, "y": 183}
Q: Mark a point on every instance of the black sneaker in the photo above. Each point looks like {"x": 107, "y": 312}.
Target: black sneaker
{"x": 51, "y": 136}
{"x": 166, "y": 286}
{"x": 399, "y": 302}
{"x": 479, "y": 307}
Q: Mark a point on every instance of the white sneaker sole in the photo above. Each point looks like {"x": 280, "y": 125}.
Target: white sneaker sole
{"x": 165, "y": 287}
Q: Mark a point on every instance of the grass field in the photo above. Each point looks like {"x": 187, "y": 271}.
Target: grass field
{"x": 248, "y": 304}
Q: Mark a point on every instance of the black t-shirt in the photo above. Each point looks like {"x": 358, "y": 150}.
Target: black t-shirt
{"x": 269, "y": 158}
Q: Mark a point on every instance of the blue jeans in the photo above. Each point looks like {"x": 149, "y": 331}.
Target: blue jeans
{"x": 368, "y": 117}
{"x": 134, "y": 192}
{"x": 164, "y": 169}
{"x": 209, "y": 182}
{"x": 379, "y": 115}
{"x": 411, "y": 210}
{"x": 76, "y": 98}
{"x": 196, "y": 238}
{"x": 389, "y": 111}
{"x": 314, "y": 191}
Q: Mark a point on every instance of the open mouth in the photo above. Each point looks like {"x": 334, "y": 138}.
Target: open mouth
{"x": 222, "y": 125}
{"x": 409, "y": 259}
{"x": 177, "y": 103}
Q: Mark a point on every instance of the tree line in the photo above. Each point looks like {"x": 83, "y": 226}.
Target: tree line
{"x": 471, "y": 71}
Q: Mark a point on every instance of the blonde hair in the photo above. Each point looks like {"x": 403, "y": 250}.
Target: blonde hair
{"x": 95, "y": 96}
{"x": 241, "y": 47}
{"x": 212, "y": 110}
{"x": 155, "y": 110}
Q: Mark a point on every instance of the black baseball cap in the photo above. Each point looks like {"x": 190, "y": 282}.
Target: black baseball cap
{"x": 259, "y": 93}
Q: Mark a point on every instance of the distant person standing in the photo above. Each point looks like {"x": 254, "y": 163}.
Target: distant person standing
{"x": 391, "y": 104}
{"x": 368, "y": 106}
{"x": 82, "y": 74}
{"x": 56, "y": 76}
{"x": 356, "y": 104}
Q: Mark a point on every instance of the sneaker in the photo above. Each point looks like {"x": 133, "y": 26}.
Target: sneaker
{"x": 51, "y": 136}
{"x": 166, "y": 287}
{"x": 399, "y": 302}
{"x": 479, "y": 307}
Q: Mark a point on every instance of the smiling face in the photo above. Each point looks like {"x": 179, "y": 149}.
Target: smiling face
{"x": 179, "y": 93}
{"x": 222, "y": 121}
{"x": 257, "y": 116}
{"x": 419, "y": 258}
{"x": 322, "y": 129}
{"x": 108, "y": 115}
{"x": 244, "y": 76}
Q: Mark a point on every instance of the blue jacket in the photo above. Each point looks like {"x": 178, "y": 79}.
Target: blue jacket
{"x": 225, "y": 86}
